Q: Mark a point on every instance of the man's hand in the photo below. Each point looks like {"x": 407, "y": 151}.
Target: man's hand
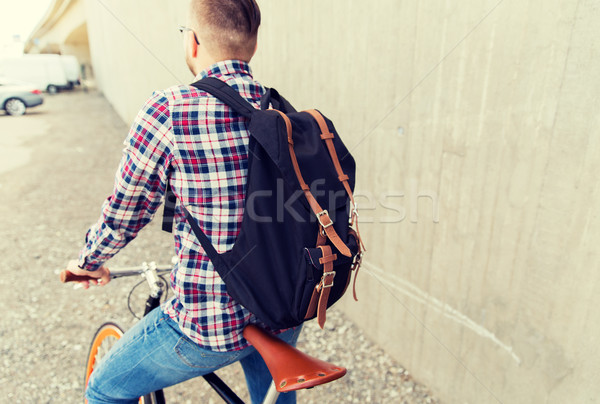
{"x": 101, "y": 275}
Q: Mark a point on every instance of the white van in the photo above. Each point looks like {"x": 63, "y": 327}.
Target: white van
{"x": 46, "y": 72}
{"x": 72, "y": 70}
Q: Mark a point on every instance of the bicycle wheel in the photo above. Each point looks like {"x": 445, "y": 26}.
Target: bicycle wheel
{"x": 103, "y": 340}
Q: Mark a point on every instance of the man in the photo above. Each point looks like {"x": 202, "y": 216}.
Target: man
{"x": 198, "y": 145}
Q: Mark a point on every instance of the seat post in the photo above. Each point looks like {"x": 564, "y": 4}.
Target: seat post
{"x": 272, "y": 394}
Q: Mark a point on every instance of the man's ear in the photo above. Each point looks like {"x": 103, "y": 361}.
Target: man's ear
{"x": 194, "y": 45}
{"x": 190, "y": 44}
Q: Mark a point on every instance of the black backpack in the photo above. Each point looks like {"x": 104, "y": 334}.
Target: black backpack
{"x": 298, "y": 242}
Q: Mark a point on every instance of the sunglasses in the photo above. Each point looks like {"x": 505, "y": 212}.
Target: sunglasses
{"x": 182, "y": 29}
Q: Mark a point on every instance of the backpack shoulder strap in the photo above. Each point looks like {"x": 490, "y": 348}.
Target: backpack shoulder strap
{"x": 169, "y": 209}
{"x": 225, "y": 93}
{"x": 272, "y": 99}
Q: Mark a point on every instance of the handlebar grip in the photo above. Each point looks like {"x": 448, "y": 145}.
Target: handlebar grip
{"x": 68, "y": 276}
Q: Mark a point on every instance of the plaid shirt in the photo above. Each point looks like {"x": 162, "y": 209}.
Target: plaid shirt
{"x": 200, "y": 146}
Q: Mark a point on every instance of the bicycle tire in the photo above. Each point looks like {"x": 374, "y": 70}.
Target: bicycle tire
{"x": 105, "y": 337}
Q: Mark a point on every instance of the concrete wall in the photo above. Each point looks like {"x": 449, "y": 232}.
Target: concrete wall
{"x": 136, "y": 48}
{"x": 475, "y": 127}
{"x": 63, "y": 30}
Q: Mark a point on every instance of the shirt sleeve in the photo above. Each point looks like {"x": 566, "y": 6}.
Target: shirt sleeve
{"x": 139, "y": 188}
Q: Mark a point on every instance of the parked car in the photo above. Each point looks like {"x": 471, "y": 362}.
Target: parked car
{"x": 16, "y": 97}
{"x": 45, "y": 72}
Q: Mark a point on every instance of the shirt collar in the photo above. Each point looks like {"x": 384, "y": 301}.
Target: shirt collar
{"x": 226, "y": 67}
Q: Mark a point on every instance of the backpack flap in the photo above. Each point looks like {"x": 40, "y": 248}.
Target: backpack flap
{"x": 313, "y": 159}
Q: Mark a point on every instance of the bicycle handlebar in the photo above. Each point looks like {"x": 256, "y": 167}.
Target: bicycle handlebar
{"x": 68, "y": 276}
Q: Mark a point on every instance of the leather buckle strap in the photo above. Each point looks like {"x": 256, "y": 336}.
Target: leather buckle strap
{"x": 312, "y": 305}
{"x": 337, "y": 241}
{"x": 327, "y": 259}
{"x": 320, "y": 295}
{"x": 326, "y": 283}
{"x": 327, "y": 280}
{"x": 356, "y": 263}
{"x": 328, "y": 223}
{"x": 326, "y": 226}
{"x": 327, "y": 136}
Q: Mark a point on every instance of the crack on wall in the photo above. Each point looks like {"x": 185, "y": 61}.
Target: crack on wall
{"x": 413, "y": 292}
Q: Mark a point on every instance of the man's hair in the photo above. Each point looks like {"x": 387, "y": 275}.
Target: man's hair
{"x": 229, "y": 27}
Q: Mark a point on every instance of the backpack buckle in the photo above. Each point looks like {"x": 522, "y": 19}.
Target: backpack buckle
{"x": 326, "y": 276}
{"x": 353, "y": 213}
{"x": 324, "y": 213}
{"x": 357, "y": 261}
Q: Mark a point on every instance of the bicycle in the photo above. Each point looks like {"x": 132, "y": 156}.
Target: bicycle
{"x": 290, "y": 368}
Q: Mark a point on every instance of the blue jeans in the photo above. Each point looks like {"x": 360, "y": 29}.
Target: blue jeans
{"x": 155, "y": 354}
